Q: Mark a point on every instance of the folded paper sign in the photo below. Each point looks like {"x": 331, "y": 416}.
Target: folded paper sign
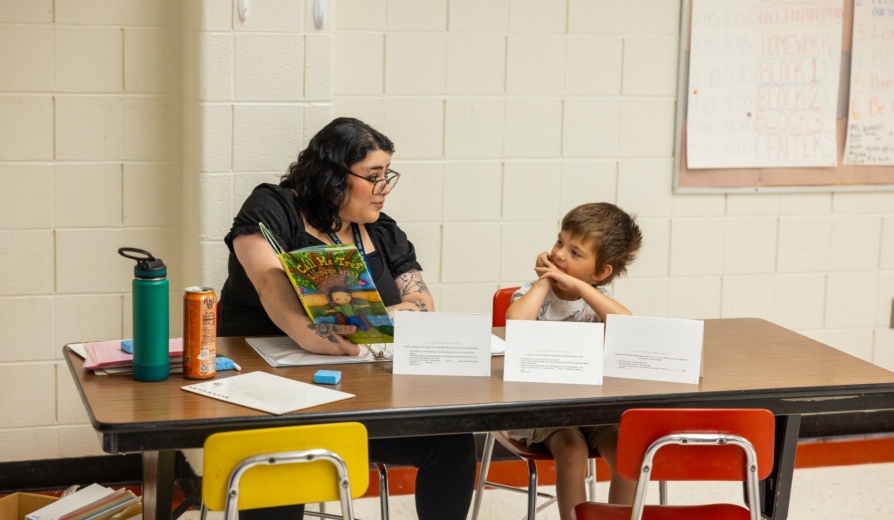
{"x": 632, "y": 347}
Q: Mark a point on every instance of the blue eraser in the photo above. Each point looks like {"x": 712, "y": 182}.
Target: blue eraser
{"x": 327, "y": 377}
{"x": 127, "y": 345}
{"x": 224, "y": 363}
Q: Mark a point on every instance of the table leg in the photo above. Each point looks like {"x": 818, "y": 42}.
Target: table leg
{"x": 776, "y": 490}
{"x": 158, "y": 484}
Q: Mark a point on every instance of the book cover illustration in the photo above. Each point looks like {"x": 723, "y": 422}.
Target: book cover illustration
{"x": 335, "y": 286}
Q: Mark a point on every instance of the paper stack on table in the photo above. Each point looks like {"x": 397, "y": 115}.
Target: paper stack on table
{"x": 111, "y": 358}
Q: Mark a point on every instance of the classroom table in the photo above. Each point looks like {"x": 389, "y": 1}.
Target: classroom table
{"x": 748, "y": 363}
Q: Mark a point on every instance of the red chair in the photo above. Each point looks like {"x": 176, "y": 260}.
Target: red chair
{"x": 502, "y": 299}
{"x": 690, "y": 444}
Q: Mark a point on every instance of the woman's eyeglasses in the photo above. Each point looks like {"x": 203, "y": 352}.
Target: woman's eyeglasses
{"x": 378, "y": 183}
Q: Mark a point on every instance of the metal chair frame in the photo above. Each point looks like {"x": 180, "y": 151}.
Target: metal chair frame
{"x": 690, "y": 444}
{"x": 752, "y": 491}
{"x": 231, "y": 455}
{"x": 531, "y": 460}
{"x": 501, "y": 302}
{"x": 382, "y": 473}
{"x": 290, "y": 457}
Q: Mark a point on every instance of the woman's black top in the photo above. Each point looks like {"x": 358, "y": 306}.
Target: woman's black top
{"x": 241, "y": 312}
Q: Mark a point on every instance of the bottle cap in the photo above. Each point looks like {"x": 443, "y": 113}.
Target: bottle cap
{"x": 147, "y": 265}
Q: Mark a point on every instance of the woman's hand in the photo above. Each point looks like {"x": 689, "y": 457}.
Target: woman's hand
{"x": 330, "y": 339}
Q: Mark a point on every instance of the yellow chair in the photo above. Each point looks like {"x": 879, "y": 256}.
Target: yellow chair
{"x": 284, "y": 466}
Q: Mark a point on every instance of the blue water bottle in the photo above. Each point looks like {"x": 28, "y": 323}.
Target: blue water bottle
{"x": 151, "y": 322}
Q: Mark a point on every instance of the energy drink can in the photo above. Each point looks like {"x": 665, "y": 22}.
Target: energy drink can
{"x": 199, "y": 333}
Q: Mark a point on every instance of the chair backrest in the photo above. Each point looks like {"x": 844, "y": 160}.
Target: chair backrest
{"x": 502, "y": 299}
{"x": 288, "y": 480}
{"x": 640, "y": 428}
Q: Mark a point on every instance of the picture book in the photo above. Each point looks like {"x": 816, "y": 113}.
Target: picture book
{"x": 334, "y": 285}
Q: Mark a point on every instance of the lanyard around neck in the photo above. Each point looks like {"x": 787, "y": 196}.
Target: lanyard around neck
{"x": 358, "y": 240}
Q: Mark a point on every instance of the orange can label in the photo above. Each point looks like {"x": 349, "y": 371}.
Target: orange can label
{"x": 199, "y": 333}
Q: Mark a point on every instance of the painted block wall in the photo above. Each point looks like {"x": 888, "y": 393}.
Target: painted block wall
{"x": 505, "y": 114}
{"x": 90, "y": 159}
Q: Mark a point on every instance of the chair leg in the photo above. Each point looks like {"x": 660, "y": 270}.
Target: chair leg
{"x": 662, "y": 492}
{"x": 486, "y": 456}
{"x": 533, "y": 494}
{"x": 591, "y": 480}
{"x": 532, "y": 489}
{"x": 383, "y": 489}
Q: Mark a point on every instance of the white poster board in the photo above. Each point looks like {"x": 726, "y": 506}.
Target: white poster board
{"x": 870, "y": 126}
{"x": 657, "y": 349}
{"x": 763, "y": 83}
{"x": 553, "y": 352}
{"x": 442, "y": 344}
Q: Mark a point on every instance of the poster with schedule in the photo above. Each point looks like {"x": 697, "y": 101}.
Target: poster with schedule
{"x": 763, "y": 83}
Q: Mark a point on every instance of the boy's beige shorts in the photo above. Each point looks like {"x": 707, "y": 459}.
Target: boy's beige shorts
{"x": 591, "y": 434}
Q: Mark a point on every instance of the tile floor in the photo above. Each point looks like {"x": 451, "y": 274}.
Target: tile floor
{"x": 861, "y": 492}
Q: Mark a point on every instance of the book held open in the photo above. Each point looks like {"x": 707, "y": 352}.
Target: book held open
{"x": 335, "y": 287}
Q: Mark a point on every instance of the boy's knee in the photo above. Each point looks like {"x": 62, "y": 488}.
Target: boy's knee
{"x": 567, "y": 445}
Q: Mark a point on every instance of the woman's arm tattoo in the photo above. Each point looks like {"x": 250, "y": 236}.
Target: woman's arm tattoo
{"x": 324, "y": 330}
{"x": 419, "y": 305}
{"x": 411, "y": 282}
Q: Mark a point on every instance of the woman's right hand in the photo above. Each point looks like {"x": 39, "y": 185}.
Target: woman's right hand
{"x": 330, "y": 339}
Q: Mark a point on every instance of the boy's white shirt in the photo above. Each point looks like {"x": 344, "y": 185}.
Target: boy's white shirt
{"x": 555, "y": 309}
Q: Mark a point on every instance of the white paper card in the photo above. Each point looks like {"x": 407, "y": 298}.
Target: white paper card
{"x": 656, "y": 349}
{"x": 442, "y": 344}
{"x": 267, "y": 392}
{"x": 553, "y": 352}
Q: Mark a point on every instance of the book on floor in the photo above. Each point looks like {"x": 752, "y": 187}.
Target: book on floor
{"x": 94, "y": 502}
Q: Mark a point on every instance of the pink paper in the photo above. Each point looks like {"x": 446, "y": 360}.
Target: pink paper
{"x": 108, "y": 354}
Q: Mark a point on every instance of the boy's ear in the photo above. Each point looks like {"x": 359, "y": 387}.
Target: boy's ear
{"x": 602, "y": 272}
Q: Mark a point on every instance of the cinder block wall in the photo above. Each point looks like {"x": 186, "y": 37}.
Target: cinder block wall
{"x": 505, "y": 114}
{"x": 90, "y": 153}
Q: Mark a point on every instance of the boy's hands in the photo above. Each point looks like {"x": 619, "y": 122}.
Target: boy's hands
{"x": 548, "y": 272}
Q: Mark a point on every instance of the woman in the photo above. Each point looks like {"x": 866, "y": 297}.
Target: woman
{"x": 335, "y": 193}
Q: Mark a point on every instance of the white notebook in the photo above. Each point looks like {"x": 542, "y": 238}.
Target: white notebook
{"x": 267, "y": 392}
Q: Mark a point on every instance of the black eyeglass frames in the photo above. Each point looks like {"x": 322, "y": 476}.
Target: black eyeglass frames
{"x": 378, "y": 184}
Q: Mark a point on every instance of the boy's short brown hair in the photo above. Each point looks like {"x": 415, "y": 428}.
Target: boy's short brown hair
{"x": 615, "y": 236}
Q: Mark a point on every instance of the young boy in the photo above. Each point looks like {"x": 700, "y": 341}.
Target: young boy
{"x": 596, "y": 243}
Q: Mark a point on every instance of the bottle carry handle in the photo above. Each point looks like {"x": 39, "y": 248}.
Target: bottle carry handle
{"x": 147, "y": 256}
{"x": 145, "y": 261}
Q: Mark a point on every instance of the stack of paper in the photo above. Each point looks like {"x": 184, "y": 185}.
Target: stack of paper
{"x": 94, "y": 502}
{"x": 109, "y": 357}
{"x": 267, "y": 392}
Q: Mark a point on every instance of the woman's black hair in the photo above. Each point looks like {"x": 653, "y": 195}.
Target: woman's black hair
{"x": 320, "y": 175}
